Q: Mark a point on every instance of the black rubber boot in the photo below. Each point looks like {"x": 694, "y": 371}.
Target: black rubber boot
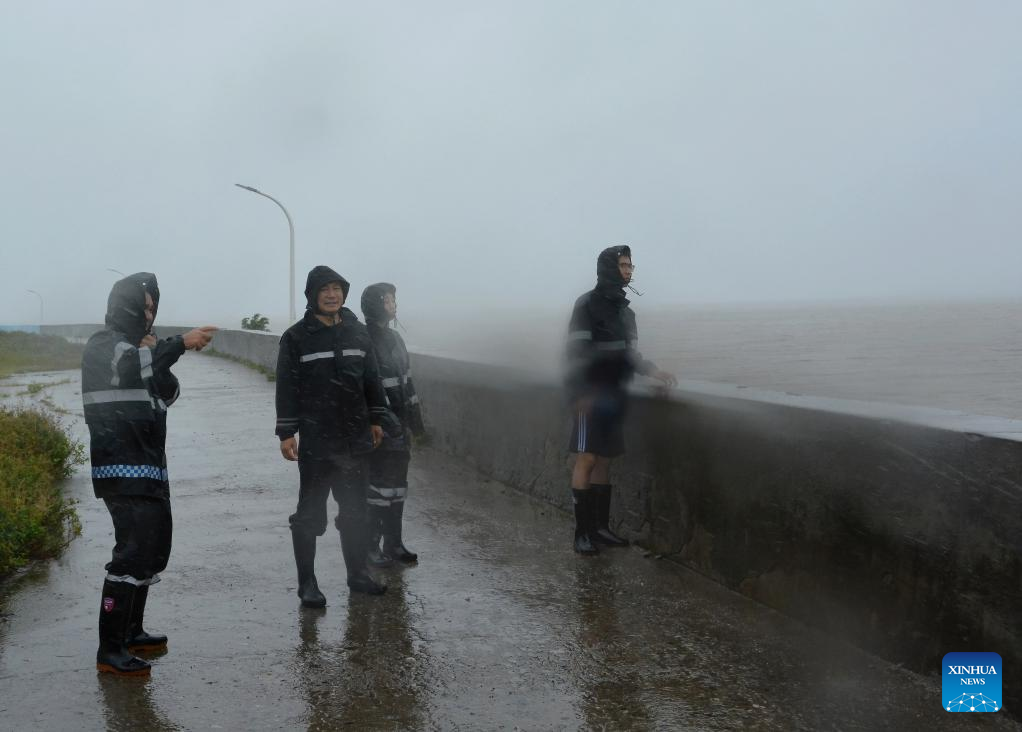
{"x": 305, "y": 560}
{"x": 603, "y": 534}
{"x": 393, "y": 546}
{"x": 377, "y": 558}
{"x": 113, "y": 656}
{"x": 364, "y": 582}
{"x": 354, "y": 540}
{"x": 583, "y": 521}
{"x": 138, "y": 639}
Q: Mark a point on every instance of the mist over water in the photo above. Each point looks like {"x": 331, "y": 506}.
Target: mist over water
{"x": 960, "y": 356}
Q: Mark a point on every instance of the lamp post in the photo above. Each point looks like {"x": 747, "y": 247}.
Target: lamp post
{"x": 40, "y": 304}
{"x": 291, "y": 227}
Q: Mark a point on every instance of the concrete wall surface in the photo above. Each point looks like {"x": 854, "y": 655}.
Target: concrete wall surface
{"x": 253, "y": 346}
{"x": 901, "y": 531}
{"x": 897, "y": 528}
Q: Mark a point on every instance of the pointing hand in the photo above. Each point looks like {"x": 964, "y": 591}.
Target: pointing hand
{"x": 196, "y": 340}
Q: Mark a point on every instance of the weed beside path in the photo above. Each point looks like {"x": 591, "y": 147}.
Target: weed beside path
{"x": 36, "y": 519}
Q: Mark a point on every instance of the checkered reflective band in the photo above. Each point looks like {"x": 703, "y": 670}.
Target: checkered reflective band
{"x": 154, "y": 472}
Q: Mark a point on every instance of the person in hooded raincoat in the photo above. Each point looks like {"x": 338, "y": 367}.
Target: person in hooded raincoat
{"x": 127, "y": 386}
{"x": 329, "y": 395}
{"x": 602, "y": 358}
{"x": 388, "y": 466}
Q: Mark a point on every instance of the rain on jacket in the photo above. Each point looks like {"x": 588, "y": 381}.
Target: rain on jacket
{"x": 328, "y": 385}
{"x": 126, "y": 390}
{"x": 394, "y": 365}
{"x": 602, "y": 335}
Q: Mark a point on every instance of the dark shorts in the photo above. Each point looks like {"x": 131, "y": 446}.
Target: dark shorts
{"x": 142, "y": 531}
{"x": 601, "y": 429}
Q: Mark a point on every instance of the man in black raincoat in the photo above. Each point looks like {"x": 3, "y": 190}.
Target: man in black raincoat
{"x": 602, "y": 359}
{"x": 126, "y": 389}
{"x": 329, "y": 394}
{"x": 388, "y": 466}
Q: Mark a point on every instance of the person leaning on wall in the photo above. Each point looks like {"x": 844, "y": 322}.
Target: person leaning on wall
{"x": 602, "y": 358}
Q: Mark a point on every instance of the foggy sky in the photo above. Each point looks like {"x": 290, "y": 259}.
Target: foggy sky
{"x": 479, "y": 155}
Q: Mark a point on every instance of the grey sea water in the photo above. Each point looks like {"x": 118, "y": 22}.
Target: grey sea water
{"x": 962, "y": 356}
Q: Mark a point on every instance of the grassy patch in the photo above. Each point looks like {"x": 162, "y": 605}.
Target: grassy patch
{"x": 49, "y": 403}
{"x": 23, "y": 352}
{"x": 35, "y": 388}
{"x": 270, "y": 374}
{"x": 36, "y": 520}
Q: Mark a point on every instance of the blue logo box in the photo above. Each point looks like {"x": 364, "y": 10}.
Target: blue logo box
{"x": 972, "y": 682}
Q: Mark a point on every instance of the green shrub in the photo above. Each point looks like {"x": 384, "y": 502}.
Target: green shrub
{"x": 256, "y": 322}
{"x": 36, "y": 519}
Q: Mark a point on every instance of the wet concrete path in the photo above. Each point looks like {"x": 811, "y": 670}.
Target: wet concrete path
{"x": 501, "y": 626}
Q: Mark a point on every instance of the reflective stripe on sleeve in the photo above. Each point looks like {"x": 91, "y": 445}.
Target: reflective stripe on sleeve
{"x": 580, "y": 335}
{"x": 145, "y": 360}
{"x": 313, "y": 356}
{"x": 353, "y": 352}
{"x": 177, "y": 393}
{"x": 120, "y": 348}
{"x": 391, "y": 381}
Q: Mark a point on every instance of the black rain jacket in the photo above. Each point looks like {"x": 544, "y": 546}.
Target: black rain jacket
{"x": 602, "y": 336}
{"x": 328, "y": 384}
{"x": 395, "y": 367}
{"x": 126, "y": 390}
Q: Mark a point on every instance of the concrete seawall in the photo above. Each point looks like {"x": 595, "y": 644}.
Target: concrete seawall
{"x": 897, "y": 528}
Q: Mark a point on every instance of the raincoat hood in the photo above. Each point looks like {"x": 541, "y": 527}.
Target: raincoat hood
{"x": 372, "y": 302}
{"x": 608, "y": 276}
{"x": 318, "y": 276}
{"x": 125, "y": 307}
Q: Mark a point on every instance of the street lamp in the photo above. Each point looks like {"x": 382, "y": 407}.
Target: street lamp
{"x": 116, "y": 272}
{"x": 291, "y": 227}
{"x": 40, "y": 304}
